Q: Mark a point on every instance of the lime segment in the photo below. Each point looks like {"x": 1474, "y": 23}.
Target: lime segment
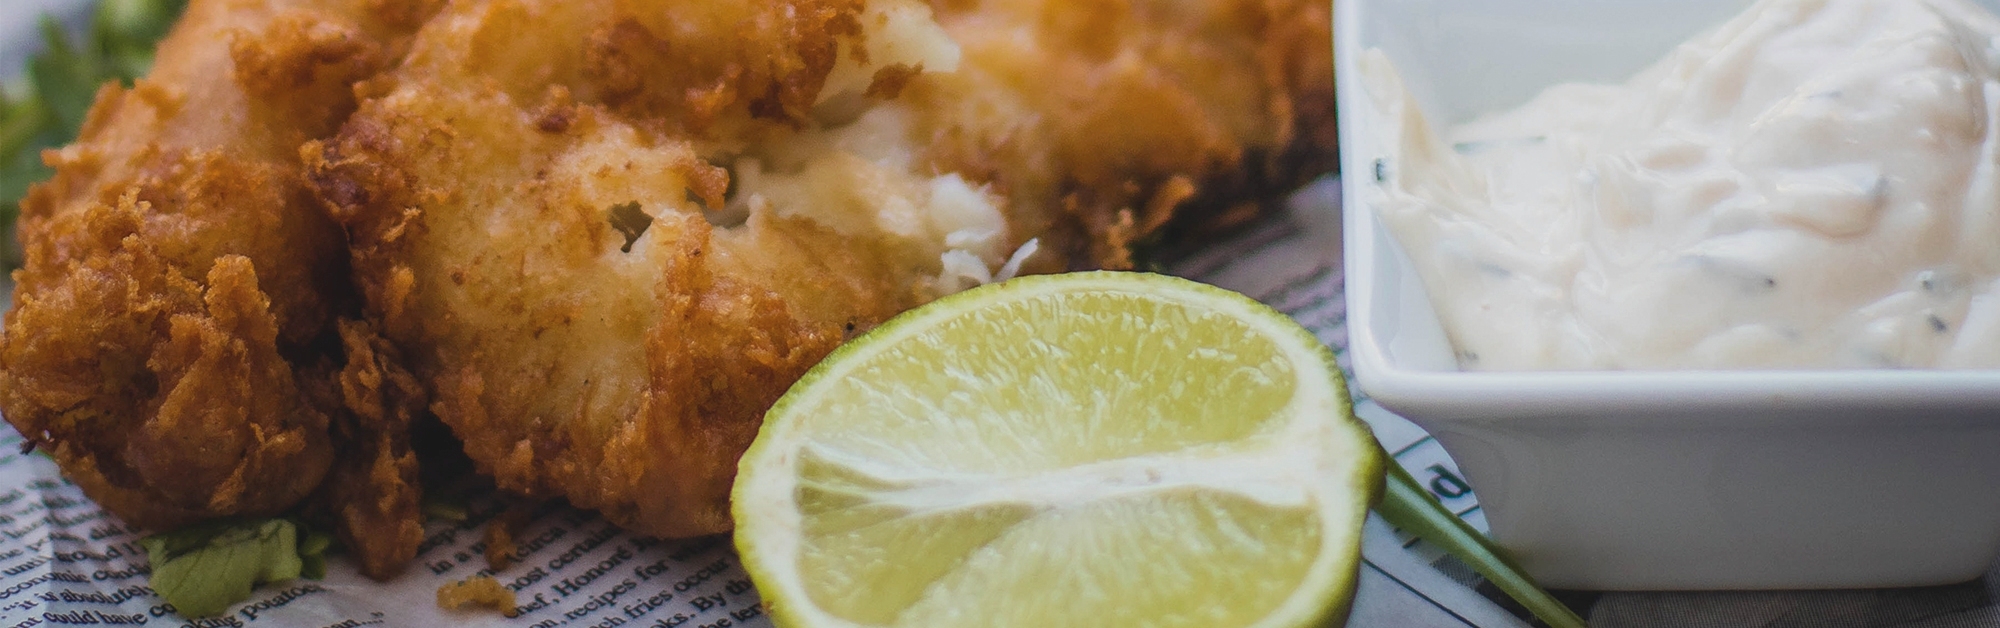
{"x": 1077, "y": 450}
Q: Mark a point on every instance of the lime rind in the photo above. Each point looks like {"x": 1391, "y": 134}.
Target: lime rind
{"x": 771, "y": 529}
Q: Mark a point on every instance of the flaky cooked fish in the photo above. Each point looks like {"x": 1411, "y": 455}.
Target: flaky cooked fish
{"x": 608, "y": 234}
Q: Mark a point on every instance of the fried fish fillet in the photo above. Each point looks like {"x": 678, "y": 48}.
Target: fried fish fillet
{"x": 608, "y": 234}
{"x": 173, "y": 343}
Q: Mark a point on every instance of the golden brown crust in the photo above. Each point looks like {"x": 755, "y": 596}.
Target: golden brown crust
{"x": 179, "y": 276}
{"x": 372, "y": 492}
{"x": 211, "y": 408}
{"x": 1111, "y": 105}
{"x": 775, "y": 66}
{"x": 160, "y": 393}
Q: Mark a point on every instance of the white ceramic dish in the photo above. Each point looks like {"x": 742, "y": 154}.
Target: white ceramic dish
{"x": 1651, "y": 480}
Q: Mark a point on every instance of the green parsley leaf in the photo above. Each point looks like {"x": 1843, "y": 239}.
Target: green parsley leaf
{"x": 61, "y": 83}
{"x": 442, "y": 508}
{"x": 629, "y": 221}
{"x": 203, "y": 569}
{"x": 64, "y": 77}
{"x": 127, "y": 29}
{"x": 315, "y": 543}
{"x": 312, "y": 554}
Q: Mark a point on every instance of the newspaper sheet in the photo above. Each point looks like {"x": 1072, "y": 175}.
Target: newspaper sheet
{"x": 65, "y": 562}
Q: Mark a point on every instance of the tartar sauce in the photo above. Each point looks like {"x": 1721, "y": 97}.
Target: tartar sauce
{"x": 1811, "y": 185}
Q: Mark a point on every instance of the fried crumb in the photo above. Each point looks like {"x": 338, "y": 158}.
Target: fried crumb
{"x": 477, "y": 591}
{"x": 1178, "y": 189}
{"x": 500, "y": 533}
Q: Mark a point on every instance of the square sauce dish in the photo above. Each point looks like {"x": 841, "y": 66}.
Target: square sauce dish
{"x": 1646, "y": 479}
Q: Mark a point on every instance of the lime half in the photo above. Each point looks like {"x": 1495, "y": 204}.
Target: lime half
{"x": 1090, "y": 449}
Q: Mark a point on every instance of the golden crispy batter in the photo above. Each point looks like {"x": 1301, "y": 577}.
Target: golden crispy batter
{"x": 609, "y": 233}
{"x": 1122, "y": 112}
{"x": 371, "y": 493}
{"x": 179, "y": 277}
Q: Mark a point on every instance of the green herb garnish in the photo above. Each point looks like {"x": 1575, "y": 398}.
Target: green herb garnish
{"x": 441, "y": 508}
{"x": 631, "y": 222}
{"x": 201, "y": 570}
{"x": 1405, "y": 504}
{"x": 312, "y": 554}
{"x": 47, "y": 109}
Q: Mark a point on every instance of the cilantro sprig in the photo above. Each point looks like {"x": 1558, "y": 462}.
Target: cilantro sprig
{"x": 46, "y": 109}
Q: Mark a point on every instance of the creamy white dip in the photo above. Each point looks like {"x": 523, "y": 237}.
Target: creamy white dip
{"x": 1811, "y": 185}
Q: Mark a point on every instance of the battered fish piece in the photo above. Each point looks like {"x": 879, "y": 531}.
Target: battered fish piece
{"x": 608, "y": 234}
{"x": 173, "y": 342}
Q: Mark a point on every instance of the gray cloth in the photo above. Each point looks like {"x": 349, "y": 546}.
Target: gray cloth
{"x": 1952, "y": 606}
